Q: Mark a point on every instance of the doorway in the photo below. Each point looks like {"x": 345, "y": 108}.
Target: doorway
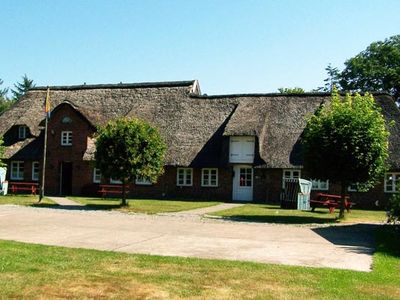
{"x": 66, "y": 178}
{"x": 242, "y": 183}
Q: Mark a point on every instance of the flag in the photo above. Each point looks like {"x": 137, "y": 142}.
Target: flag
{"x": 47, "y": 104}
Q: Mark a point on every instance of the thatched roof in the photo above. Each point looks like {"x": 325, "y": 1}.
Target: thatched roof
{"x": 192, "y": 125}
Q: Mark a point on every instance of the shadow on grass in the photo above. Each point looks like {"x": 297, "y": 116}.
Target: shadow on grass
{"x": 280, "y": 219}
{"x": 388, "y": 240}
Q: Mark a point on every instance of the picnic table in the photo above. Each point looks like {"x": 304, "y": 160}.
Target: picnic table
{"x": 23, "y": 186}
{"x": 331, "y": 201}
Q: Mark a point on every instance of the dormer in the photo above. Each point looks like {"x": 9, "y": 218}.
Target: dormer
{"x": 241, "y": 149}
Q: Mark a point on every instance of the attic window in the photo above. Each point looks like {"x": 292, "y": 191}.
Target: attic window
{"x": 22, "y": 132}
{"x": 66, "y": 120}
{"x": 66, "y": 138}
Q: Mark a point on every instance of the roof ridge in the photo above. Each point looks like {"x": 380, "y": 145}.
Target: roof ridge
{"x": 117, "y": 85}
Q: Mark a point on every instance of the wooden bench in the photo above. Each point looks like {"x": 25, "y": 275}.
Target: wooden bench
{"x": 14, "y": 187}
{"x": 330, "y": 201}
{"x": 111, "y": 189}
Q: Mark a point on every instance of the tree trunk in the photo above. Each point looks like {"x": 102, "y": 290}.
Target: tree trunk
{"x": 123, "y": 193}
{"x": 343, "y": 201}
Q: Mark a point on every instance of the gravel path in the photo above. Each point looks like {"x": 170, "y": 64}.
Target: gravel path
{"x": 344, "y": 247}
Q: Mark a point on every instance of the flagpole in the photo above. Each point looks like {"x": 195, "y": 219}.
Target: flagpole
{"x": 44, "y": 148}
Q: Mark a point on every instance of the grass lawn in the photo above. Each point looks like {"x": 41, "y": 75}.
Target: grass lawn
{"x": 148, "y": 206}
{"x": 42, "y": 272}
{"x": 274, "y": 214}
{"x": 27, "y": 200}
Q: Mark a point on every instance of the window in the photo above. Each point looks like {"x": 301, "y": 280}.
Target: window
{"x": 66, "y": 138}
{"x": 17, "y": 170}
{"x": 96, "y": 175}
{"x": 35, "y": 171}
{"x": 142, "y": 181}
{"x": 246, "y": 177}
{"x": 209, "y": 177}
{"x": 290, "y": 174}
{"x": 322, "y": 185}
{"x": 392, "y": 181}
{"x": 184, "y": 177}
{"x": 115, "y": 181}
{"x": 352, "y": 188}
{"x": 22, "y": 132}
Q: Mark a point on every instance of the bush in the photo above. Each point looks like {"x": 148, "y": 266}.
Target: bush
{"x": 394, "y": 209}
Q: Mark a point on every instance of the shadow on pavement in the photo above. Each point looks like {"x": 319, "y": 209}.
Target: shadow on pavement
{"x": 358, "y": 238}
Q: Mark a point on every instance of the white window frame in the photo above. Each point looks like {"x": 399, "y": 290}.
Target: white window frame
{"x": 35, "y": 175}
{"x": 291, "y": 176}
{"x": 206, "y": 172}
{"x": 352, "y": 188}
{"x": 115, "y": 181}
{"x": 142, "y": 181}
{"x": 66, "y": 138}
{"x": 185, "y": 172}
{"x": 96, "y": 175}
{"x": 317, "y": 185}
{"x": 18, "y": 175}
{"x": 395, "y": 176}
{"x": 22, "y": 132}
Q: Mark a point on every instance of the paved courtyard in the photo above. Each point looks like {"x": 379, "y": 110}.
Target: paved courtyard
{"x": 344, "y": 247}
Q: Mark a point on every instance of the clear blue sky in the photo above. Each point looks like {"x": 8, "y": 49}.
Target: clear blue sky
{"x": 229, "y": 46}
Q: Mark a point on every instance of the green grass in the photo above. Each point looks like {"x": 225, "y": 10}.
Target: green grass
{"x": 148, "y": 206}
{"x": 42, "y": 272}
{"x": 274, "y": 214}
{"x": 27, "y": 200}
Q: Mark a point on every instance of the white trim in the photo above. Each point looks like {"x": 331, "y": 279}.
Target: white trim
{"x": 66, "y": 138}
{"x": 35, "y": 178}
{"x": 96, "y": 175}
{"x": 187, "y": 173}
{"x": 392, "y": 180}
{"x": 19, "y": 175}
{"x": 22, "y": 132}
{"x": 206, "y": 172}
{"x": 142, "y": 181}
{"x": 289, "y": 174}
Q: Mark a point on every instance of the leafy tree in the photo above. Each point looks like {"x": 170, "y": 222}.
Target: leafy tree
{"x": 346, "y": 142}
{"x": 2, "y": 149}
{"x": 295, "y": 90}
{"x": 127, "y": 149}
{"x": 5, "y": 103}
{"x": 22, "y": 87}
{"x": 377, "y": 68}
{"x": 332, "y": 80}
{"x": 394, "y": 209}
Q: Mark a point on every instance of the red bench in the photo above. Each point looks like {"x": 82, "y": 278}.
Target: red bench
{"x": 330, "y": 201}
{"x": 110, "y": 189}
{"x": 23, "y": 186}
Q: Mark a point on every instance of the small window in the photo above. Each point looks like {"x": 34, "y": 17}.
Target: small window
{"x": 184, "y": 177}
{"x": 96, "y": 175}
{"x": 66, "y": 138}
{"x": 290, "y": 174}
{"x": 209, "y": 177}
{"x": 392, "y": 181}
{"x": 142, "y": 181}
{"x": 352, "y": 188}
{"x": 321, "y": 185}
{"x": 35, "y": 171}
{"x": 17, "y": 170}
{"x": 22, "y": 132}
{"x": 115, "y": 181}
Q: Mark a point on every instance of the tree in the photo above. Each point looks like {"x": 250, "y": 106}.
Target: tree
{"x": 295, "y": 90}
{"x": 22, "y": 87}
{"x": 127, "y": 149}
{"x": 394, "y": 209}
{"x": 2, "y": 149}
{"x": 346, "y": 142}
{"x": 5, "y": 103}
{"x": 331, "y": 81}
{"x": 377, "y": 68}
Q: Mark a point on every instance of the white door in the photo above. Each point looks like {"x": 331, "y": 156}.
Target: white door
{"x": 242, "y": 183}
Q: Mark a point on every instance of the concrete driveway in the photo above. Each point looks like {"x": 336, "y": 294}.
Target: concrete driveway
{"x": 344, "y": 247}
